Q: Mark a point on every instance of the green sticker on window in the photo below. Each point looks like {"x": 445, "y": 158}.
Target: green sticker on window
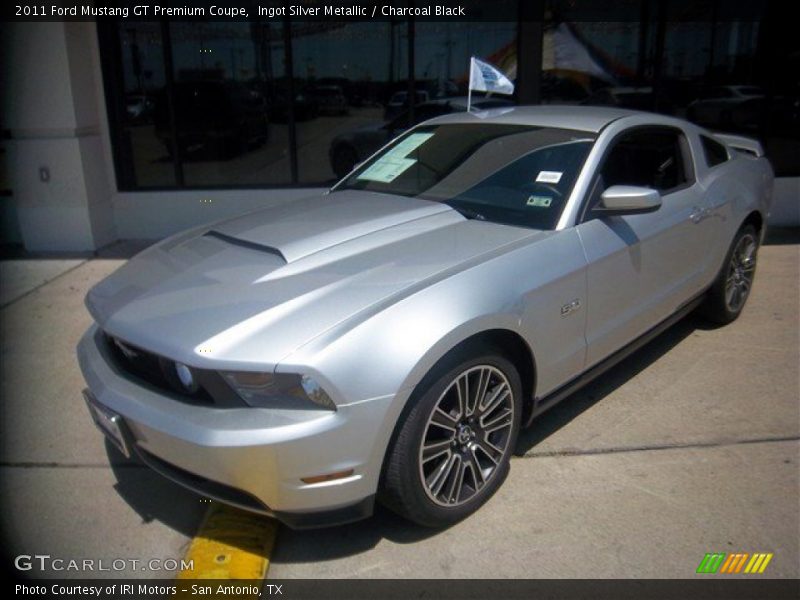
{"x": 539, "y": 201}
{"x": 395, "y": 162}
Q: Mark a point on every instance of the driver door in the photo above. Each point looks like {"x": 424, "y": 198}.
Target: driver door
{"x": 641, "y": 267}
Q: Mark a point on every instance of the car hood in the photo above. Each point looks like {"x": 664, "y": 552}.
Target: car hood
{"x": 250, "y": 290}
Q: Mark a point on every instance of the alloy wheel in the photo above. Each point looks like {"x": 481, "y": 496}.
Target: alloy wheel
{"x": 740, "y": 273}
{"x": 467, "y": 435}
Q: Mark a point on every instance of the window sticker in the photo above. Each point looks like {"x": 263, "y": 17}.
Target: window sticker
{"x": 549, "y": 177}
{"x": 385, "y": 171}
{"x": 539, "y": 201}
{"x": 392, "y": 164}
{"x": 408, "y": 145}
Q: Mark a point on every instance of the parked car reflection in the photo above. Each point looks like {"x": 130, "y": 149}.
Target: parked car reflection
{"x": 727, "y": 106}
{"x": 222, "y": 118}
{"x": 638, "y": 98}
{"x": 399, "y": 102}
{"x": 330, "y": 100}
{"x": 304, "y": 105}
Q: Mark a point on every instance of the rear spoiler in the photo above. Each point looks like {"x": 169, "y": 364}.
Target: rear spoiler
{"x": 742, "y": 144}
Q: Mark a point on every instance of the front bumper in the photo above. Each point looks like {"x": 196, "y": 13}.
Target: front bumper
{"x": 250, "y": 457}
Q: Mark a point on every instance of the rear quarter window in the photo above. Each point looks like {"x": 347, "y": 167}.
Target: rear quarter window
{"x": 714, "y": 152}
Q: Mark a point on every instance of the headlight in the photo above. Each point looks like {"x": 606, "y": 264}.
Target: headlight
{"x": 278, "y": 390}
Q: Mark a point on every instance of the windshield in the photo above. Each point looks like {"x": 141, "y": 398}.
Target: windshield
{"x": 512, "y": 174}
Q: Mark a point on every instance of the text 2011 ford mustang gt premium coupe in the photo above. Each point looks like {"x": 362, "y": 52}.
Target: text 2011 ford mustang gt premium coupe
{"x": 389, "y": 338}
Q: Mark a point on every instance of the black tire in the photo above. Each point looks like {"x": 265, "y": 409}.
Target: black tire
{"x": 478, "y": 459}
{"x": 729, "y": 292}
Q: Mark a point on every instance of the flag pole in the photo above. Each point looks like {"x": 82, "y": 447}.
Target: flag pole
{"x": 469, "y": 85}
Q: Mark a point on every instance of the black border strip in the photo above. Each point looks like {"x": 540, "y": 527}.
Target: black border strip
{"x": 701, "y": 587}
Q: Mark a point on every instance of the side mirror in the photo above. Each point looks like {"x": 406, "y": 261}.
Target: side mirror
{"x": 628, "y": 200}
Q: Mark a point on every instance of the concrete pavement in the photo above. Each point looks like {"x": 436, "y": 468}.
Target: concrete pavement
{"x": 690, "y": 446}
{"x": 58, "y": 494}
{"x": 22, "y": 276}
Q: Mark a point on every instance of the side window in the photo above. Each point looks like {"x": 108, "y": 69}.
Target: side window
{"x": 715, "y": 153}
{"x": 651, "y": 158}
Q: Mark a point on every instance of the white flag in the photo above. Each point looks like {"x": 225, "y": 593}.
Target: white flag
{"x": 483, "y": 77}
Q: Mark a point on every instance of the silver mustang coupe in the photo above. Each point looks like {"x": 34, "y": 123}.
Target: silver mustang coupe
{"x": 389, "y": 338}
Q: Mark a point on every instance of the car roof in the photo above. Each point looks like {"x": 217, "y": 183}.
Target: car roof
{"x": 580, "y": 118}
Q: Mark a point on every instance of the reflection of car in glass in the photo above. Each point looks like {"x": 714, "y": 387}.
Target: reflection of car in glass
{"x": 727, "y": 106}
{"x": 784, "y": 111}
{"x": 350, "y": 148}
{"x": 399, "y": 102}
{"x": 639, "y": 98}
{"x": 390, "y": 338}
{"x": 352, "y": 90}
{"x": 223, "y": 117}
{"x": 304, "y": 106}
{"x": 139, "y": 108}
{"x": 330, "y": 99}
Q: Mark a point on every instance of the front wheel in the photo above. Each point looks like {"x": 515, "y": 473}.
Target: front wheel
{"x": 452, "y": 450}
{"x": 729, "y": 292}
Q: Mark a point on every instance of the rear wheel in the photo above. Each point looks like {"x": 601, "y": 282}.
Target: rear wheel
{"x": 453, "y": 447}
{"x": 730, "y": 291}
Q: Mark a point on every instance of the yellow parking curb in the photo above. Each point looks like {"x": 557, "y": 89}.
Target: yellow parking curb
{"x": 230, "y": 544}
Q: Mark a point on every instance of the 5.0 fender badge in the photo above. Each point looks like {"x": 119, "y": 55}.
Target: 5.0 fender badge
{"x": 570, "y": 307}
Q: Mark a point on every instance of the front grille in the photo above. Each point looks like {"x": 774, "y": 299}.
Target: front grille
{"x": 148, "y": 369}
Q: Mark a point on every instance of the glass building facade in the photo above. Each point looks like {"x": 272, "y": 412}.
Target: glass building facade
{"x": 201, "y": 105}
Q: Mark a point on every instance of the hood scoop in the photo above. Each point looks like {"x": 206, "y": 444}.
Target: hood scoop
{"x": 246, "y": 244}
{"x": 297, "y": 229}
